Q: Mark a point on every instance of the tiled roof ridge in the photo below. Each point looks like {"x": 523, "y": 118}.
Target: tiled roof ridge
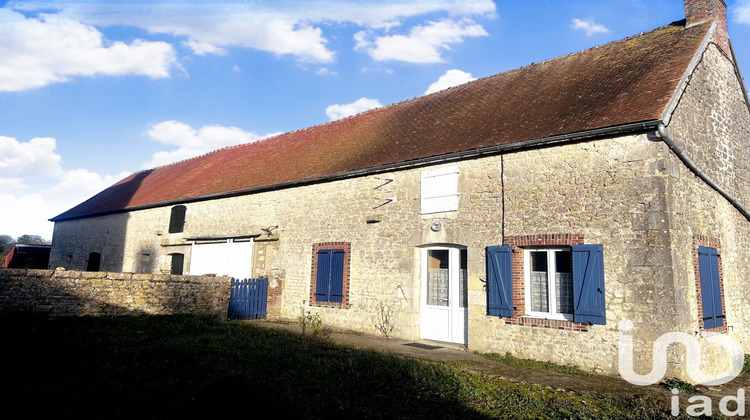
{"x": 166, "y": 165}
{"x": 679, "y": 23}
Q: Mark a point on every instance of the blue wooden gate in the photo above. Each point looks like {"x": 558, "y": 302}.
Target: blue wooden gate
{"x": 248, "y": 298}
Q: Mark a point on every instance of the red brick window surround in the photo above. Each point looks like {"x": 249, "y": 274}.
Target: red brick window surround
{"x": 708, "y": 242}
{"x": 346, "y": 247}
{"x": 518, "y": 244}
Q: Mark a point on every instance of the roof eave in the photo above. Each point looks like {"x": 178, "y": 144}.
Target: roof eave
{"x": 629, "y": 128}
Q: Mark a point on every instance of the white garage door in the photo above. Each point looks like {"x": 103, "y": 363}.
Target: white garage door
{"x": 233, "y": 259}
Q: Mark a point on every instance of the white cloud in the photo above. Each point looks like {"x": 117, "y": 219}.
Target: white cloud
{"x": 293, "y": 28}
{"x": 191, "y": 142}
{"x": 84, "y": 182}
{"x": 449, "y": 79}
{"x": 742, "y": 12}
{"x": 27, "y": 214}
{"x": 324, "y": 71}
{"x": 423, "y": 44}
{"x": 33, "y": 159}
{"x": 203, "y": 48}
{"x": 34, "y": 187}
{"x": 388, "y": 15}
{"x": 336, "y": 112}
{"x": 278, "y": 36}
{"x": 52, "y": 49}
{"x": 158, "y": 15}
{"x": 589, "y": 27}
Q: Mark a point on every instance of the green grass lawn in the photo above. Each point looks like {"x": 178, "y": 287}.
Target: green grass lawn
{"x": 190, "y": 367}
{"x": 510, "y": 360}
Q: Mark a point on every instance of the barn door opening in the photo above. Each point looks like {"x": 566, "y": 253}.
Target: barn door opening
{"x": 94, "y": 261}
{"x": 229, "y": 257}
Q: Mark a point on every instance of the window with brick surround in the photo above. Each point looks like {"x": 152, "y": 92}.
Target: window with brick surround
{"x": 329, "y": 285}
{"x": 709, "y": 283}
{"x": 551, "y": 281}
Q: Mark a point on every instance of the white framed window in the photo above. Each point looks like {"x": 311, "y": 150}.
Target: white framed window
{"x": 549, "y": 282}
{"x": 439, "y": 190}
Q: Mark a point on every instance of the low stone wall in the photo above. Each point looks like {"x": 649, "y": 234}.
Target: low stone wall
{"x": 71, "y": 293}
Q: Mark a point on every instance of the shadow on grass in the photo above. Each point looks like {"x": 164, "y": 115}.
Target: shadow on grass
{"x": 147, "y": 367}
{"x": 178, "y": 366}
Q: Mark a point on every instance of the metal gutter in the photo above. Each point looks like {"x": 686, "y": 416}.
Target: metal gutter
{"x": 629, "y": 128}
{"x": 698, "y": 172}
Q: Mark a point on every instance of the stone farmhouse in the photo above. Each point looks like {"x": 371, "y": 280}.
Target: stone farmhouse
{"x": 527, "y": 212}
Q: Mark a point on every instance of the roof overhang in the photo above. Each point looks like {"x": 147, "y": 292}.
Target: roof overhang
{"x": 594, "y": 134}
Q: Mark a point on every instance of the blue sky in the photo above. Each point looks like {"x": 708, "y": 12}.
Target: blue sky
{"x": 92, "y": 91}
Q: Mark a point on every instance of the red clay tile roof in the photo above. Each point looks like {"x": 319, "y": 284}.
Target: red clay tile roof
{"x": 631, "y": 80}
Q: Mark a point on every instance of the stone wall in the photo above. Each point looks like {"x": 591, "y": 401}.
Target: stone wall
{"x": 72, "y": 293}
{"x": 712, "y": 124}
{"x": 609, "y": 191}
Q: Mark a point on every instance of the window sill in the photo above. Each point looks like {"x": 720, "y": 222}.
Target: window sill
{"x": 713, "y": 331}
{"x": 556, "y": 324}
{"x": 333, "y": 305}
{"x": 438, "y": 213}
{"x": 550, "y": 317}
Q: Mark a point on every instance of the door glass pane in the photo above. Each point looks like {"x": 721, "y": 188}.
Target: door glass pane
{"x": 462, "y": 279}
{"x": 564, "y": 281}
{"x": 539, "y": 282}
{"x": 437, "y": 277}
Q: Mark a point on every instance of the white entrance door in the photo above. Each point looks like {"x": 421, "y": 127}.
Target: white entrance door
{"x": 444, "y": 295}
{"x": 228, "y": 258}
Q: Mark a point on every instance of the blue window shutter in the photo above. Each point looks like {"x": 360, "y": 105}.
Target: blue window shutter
{"x": 323, "y": 279}
{"x": 708, "y": 263}
{"x": 499, "y": 281}
{"x": 588, "y": 284}
{"x": 337, "y": 276}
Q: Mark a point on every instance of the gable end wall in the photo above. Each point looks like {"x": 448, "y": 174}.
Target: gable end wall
{"x": 712, "y": 124}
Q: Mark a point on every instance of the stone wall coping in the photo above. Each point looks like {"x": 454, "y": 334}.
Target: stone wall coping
{"x": 77, "y": 274}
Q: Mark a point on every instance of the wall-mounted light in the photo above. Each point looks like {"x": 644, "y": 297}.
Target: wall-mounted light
{"x": 436, "y": 226}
